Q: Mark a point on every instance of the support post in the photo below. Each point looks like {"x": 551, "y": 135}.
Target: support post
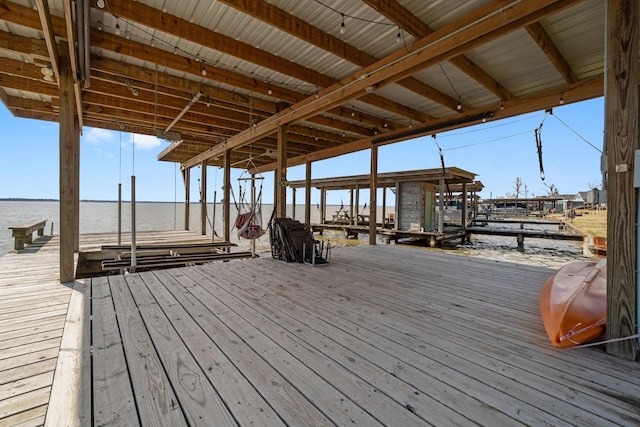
{"x": 621, "y": 133}
{"x": 119, "y": 213}
{"x": 464, "y": 205}
{"x": 307, "y": 194}
{"x": 396, "y": 214}
{"x": 355, "y": 217}
{"x": 384, "y": 206}
{"x": 203, "y": 198}
{"x": 373, "y": 192}
{"x": 76, "y": 184}
{"x": 323, "y": 205}
{"x": 281, "y": 173}
{"x": 351, "y": 191}
{"x": 226, "y": 206}
{"x": 68, "y": 187}
{"x": 134, "y": 261}
{"x": 186, "y": 178}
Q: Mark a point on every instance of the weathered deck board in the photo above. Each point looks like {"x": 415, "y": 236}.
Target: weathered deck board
{"x": 382, "y": 335}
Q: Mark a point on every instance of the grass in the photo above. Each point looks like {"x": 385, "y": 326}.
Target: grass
{"x": 590, "y": 222}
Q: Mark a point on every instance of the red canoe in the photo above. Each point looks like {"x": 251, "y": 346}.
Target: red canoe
{"x": 573, "y": 303}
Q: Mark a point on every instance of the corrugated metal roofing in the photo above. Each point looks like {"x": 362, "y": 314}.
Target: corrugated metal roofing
{"x": 513, "y": 60}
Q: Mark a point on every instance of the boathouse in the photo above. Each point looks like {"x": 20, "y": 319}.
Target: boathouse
{"x": 420, "y": 199}
{"x": 384, "y": 335}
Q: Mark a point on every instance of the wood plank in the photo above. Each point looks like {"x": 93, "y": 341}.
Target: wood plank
{"x": 196, "y": 396}
{"x": 54, "y": 333}
{"x": 11, "y": 407}
{"x": 25, "y": 385}
{"x": 292, "y": 407}
{"x": 26, "y": 359}
{"x": 70, "y": 403}
{"x": 113, "y": 401}
{"x": 29, "y": 418}
{"x": 451, "y": 351}
{"x": 155, "y": 399}
{"x": 35, "y": 368}
{"x": 245, "y": 403}
{"x": 339, "y": 392}
{"x": 29, "y": 348}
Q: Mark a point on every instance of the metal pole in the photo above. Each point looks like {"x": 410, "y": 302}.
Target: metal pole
{"x": 119, "y": 213}
{"x": 133, "y": 224}
{"x": 213, "y": 220}
{"x": 253, "y": 207}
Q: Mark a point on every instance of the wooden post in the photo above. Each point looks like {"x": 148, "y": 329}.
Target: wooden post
{"x": 281, "y": 173}
{"x": 76, "y": 183}
{"x": 186, "y": 179}
{"x": 373, "y": 192}
{"x": 226, "y": 206}
{"x": 464, "y": 205}
{"x": 355, "y": 217}
{"x": 621, "y": 125}
{"x": 323, "y": 204}
{"x": 384, "y": 206}
{"x": 307, "y": 194}
{"x": 68, "y": 151}
{"x": 396, "y": 214}
{"x": 351, "y": 204}
{"x": 203, "y": 198}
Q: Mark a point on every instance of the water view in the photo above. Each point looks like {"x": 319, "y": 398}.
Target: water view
{"x": 102, "y": 217}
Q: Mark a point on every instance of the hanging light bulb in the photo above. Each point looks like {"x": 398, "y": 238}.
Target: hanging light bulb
{"x": 501, "y": 105}
{"x": 343, "y": 29}
{"x": 561, "y": 99}
{"x": 270, "y": 91}
{"x": 459, "y": 106}
{"x": 100, "y": 4}
{"x": 117, "y": 28}
{"x": 399, "y": 35}
{"x": 99, "y": 25}
{"x": 153, "y": 43}
{"x": 203, "y": 70}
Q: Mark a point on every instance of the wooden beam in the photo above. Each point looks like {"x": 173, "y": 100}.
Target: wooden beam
{"x": 581, "y": 91}
{"x": 68, "y": 187}
{"x": 203, "y": 198}
{"x": 279, "y": 18}
{"x": 472, "y": 30}
{"x": 186, "y": 179}
{"x": 307, "y": 194}
{"x": 538, "y": 33}
{"x": 373, "y": 195}
{"x": 621, "y": 123}
{"x": 155, "y": 18}
{"x": 281, "y": 173}
{"x": 406, "y": 20}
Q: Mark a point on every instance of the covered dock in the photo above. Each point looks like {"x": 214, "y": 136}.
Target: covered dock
{"x": 369, "y": 339}
{"x": 443, "y": 183}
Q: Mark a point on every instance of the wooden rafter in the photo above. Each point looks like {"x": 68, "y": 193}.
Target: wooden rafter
{"x": 550, "y": 49}
{"x": 279, "y": 18}
{"x": 486, "y": 23}
{"x": 398, "y": 14}
{"x": 148, "y": 16}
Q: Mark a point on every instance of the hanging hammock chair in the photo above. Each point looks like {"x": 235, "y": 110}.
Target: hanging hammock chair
{"x": 249, "y": 219}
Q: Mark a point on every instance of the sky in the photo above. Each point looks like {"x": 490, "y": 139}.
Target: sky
{"x": 497, "y": 151}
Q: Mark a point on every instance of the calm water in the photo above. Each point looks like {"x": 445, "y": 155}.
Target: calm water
{"x": 100, "y": 217}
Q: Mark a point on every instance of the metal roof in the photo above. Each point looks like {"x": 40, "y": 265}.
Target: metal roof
{"x": 259, "y": 64}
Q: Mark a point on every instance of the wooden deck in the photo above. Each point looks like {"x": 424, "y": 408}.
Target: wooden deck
{"x": 384, "y": 335}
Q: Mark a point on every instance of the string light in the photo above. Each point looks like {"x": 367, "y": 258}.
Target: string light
{"x": 100, "y": 4}
{"x": 459, "y": 106}
{"x": 270, "y": 92}
{"x": 99, "y": 25}
{"x": 117, "y": 28}
{"x": 399, "y": 35}
{"x": 501, "y": 105}
{"x": 561, "y": 99}
{"x": 203, "y": 70}
{"x": 343, "y": 29}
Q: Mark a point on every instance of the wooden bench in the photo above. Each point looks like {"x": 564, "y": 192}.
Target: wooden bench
{"x": 24, "y": 233}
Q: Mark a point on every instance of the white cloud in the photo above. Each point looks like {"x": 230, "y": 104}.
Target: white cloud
{"x": 98, "y": 136}
{"x": 145, "y": 142}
